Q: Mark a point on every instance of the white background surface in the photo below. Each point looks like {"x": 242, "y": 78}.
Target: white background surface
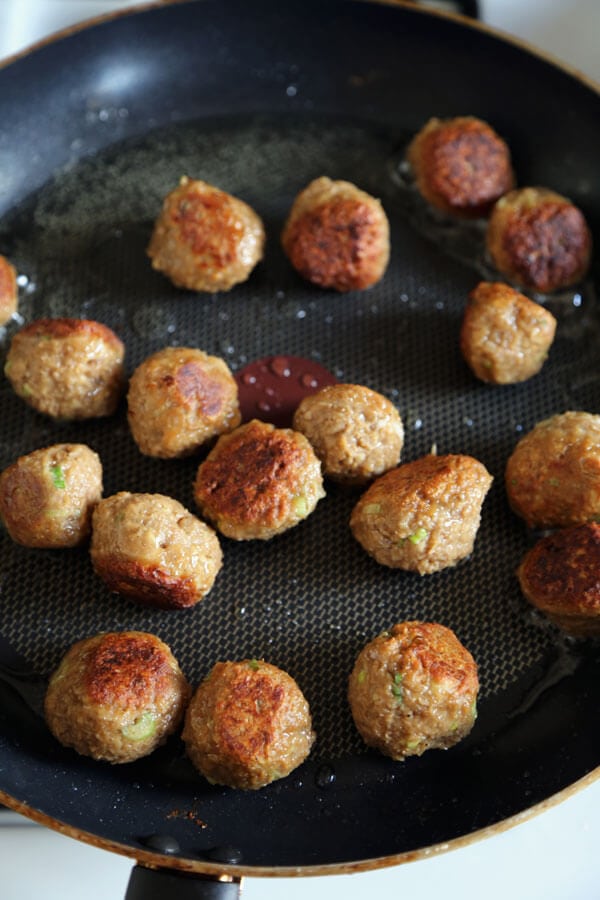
{"x": 553, "y": 856}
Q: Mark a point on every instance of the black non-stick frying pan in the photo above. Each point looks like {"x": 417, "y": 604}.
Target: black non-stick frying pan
{"x": 259, "y": 98}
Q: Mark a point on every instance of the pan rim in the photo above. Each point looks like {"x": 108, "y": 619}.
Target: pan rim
{"x": 475, "y": 24}
{"x": 186, "y": 864}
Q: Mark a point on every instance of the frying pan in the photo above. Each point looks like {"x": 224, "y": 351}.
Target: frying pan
{"x": 96, "y": 127}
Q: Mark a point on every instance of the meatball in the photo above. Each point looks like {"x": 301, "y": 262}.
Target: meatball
{"x": 205, "y": 239}
{"x": 47, "y": 497}
{"x": 505, "y": 336}
{"x": 559, "y": 576}
{"x": 461, "y": 166}
{"x": 247, "y": 725}
{"x": 553, "y": 475}
{"x": 67, "y": 368}
{"x": 414, "y": 688}
{"x": 356, "y": 432}
{"x": 8, "y": 290}
{"x": 150, "y": 548}
{"x": 337, "y": 236}
{"x": 424, "y": 515}
{"x": 258, "y": 481}
{"x": 179, "y": 399}
{"x": 539, "y": 240}
{"x": 116, "y": 696}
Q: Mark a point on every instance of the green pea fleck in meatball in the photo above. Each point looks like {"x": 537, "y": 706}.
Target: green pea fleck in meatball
{"x": 424, "y": 515}
{"x": 258, "y": 481}
{"x": 116, "y": 696}
{"x": 553, "y": 474}
{"x": 414, "y": 688}
{"x": 48, "y": 496}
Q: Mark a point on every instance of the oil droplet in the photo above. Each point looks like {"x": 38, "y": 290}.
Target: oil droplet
{"x": 325, "y": 776}
{"x": 280, "y": 366}
{"x": 308, "y": 381}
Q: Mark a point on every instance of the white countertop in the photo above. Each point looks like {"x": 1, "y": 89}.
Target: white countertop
{"x": 552, "y": 856}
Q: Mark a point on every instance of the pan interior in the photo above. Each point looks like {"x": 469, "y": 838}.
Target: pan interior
{"x": 310, "y": 599}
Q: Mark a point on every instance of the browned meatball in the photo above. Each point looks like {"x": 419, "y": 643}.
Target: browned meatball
{"x": 414, "y": 688}
{"x": 179, "y": 399}
{"x": 47, "y": 497}
{"x": 337, "y": 236}
{"x": 461, "y": 166}
{"x": 205, "y": 239}
{"x": 116, "y": 696}
{"x": 356, "y": 432}
{"x": 559, "y": 576}
{"x": 539, "y": 239}
{"x": 553, "y": 475}
{"x": 8, "y": 290}
{"x": 258, "y": 481}
{"x": 424, "y": 515}
{"x": 247, "y": 725}
{"x": 505, "y": 336}
{"x": 67, "y": 368}
{"x": 150, "y": 548}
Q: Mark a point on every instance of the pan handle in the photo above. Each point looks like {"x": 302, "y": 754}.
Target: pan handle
{"x": 156, "y": 884}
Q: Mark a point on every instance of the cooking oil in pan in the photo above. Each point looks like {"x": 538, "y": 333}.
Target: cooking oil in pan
{"x": 81, "y": 242}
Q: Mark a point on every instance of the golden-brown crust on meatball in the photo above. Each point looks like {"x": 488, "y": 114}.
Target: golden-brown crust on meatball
{"x": 180, "y": 398}
{"x": 424, "y": 515}
{"x": 116, "y": 696}
{"x": 205, "y": 239}
{"x": 553, "y": 475}
{"x": 505, "y": 337}
{"x": 461, "y": 165}
{"x": 67, "y": 368}
{"x": 258, "y": 481}
{"x": 247, "y": 725}
{"x": 8, "y": 290}
{"x": 47, "y": 497}
{"x": 356, "y": 432}
{"x": 559, "y": 576}
{"x": 539, "y": 239}
{"x": 413, "y": 688}
{"x": 337, "y": 236}
{"x": 150, "y": 548}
